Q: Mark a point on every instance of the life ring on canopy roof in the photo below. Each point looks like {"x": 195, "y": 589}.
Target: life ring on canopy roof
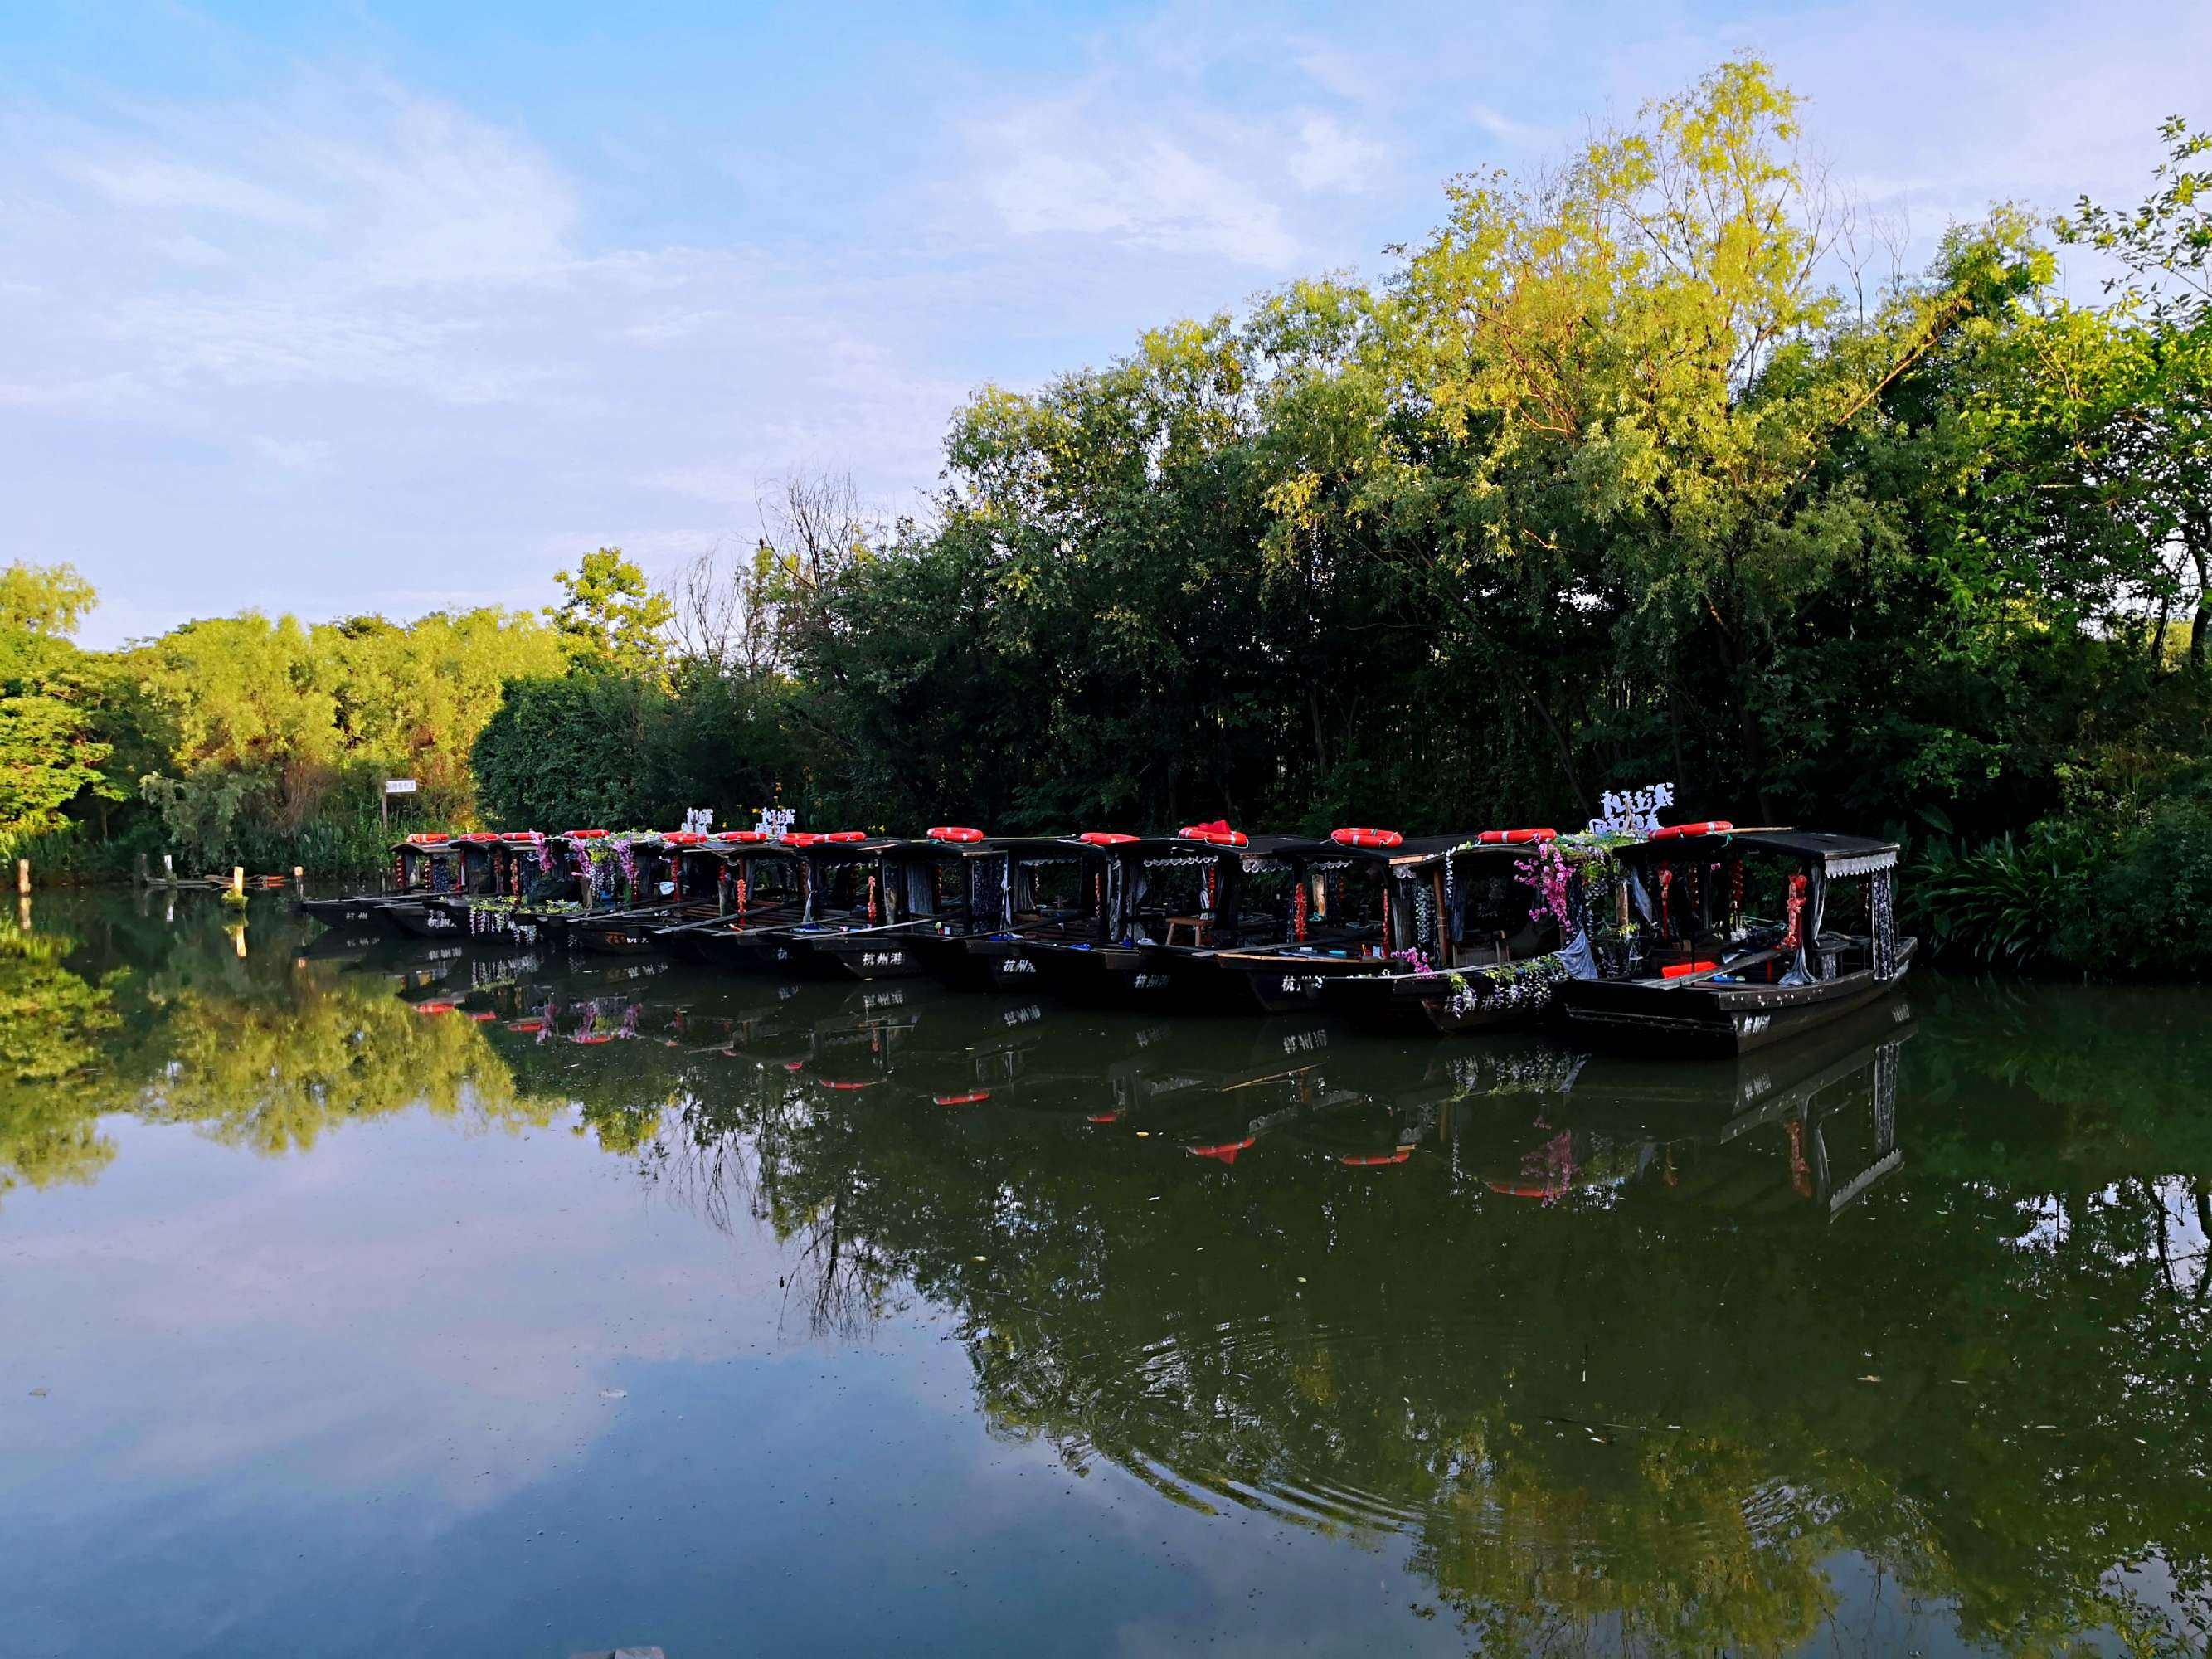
{"x": 479, "y": 836}
{"x": 583, "y": 834}
{"x": 801, "y": 838}
{"x": 524, "y": 834}
{"x": 1515, "y": 837}
{"x": 745, "y": 837}
{"x": 1104, "y": 838}
{"x": 682, "y": 838}
{"x": 1215, "y": 834}
{"x": 1711, "y": 827}
{"x": 1376, "y": 1160}
{"x": 424, "y": 840}
{"x": 954, "y": 832}
{"x": 846, "y": 836}
{"x": 1367, "y": 838}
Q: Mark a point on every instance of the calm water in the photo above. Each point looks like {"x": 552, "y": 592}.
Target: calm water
{"x": 382, "y": 1303}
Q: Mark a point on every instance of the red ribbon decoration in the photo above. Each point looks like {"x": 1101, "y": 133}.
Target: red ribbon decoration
{"x": 1298, "y": 913}
{"x": 1792, "y": 940}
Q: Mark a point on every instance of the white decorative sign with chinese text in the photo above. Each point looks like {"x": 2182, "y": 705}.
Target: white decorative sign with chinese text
{"x": 1633, "y": 811}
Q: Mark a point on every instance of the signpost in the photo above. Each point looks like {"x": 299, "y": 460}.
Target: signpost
{"x": 395, "y": 787}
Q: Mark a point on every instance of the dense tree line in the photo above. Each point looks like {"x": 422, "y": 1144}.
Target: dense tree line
{"x": 1654, "y": 463}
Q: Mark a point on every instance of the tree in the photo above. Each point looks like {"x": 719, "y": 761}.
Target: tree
{"x": 613, "y": 618}
{"x": 50, "y": 751}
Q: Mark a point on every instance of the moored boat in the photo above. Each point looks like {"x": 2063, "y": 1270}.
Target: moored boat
{"x": 1483, "y": 928}
{"x": 1716, "y": 979}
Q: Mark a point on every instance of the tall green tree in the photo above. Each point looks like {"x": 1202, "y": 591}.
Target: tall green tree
{"x": 613, "y": 618}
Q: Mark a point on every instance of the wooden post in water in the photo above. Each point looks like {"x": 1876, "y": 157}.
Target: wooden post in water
{"x": 141, "y": 870}
{"x": 299, "y": 881}
{"x": 22, "y": 875}
{"x": 168, "y": 870}
{"x": 238, "y": 879}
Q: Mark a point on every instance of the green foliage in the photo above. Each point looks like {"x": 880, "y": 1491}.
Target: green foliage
{"x": 596, "y": 748}
{"x": 613, "y": 618}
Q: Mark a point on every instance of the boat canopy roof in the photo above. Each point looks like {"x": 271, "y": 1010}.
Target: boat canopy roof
{"x": 1837, "y": 855}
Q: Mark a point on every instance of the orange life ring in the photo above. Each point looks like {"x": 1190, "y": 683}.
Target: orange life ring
{"x": 846, "y": 836}
{"x": 1213, "y": 837}
{"x": 801, "y": 838}
{"x": 1515, "y": 837}
{"x": 1711, "y": 827}
{"x": 1367, "y": 838}
{"x": 583, "y": 834}
{"x": 479, "y": 836}
{"x": 424, "y": 840}
{"x": 954, "y": 832}
{"x": 1104, "y": 838}
{"x": 682, "y": 838}
{"x": 747, "y": 837}
{"x": 530, "y": 835}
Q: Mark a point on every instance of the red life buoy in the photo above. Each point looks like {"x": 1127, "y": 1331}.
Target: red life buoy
{"x": 1712, "y": 827}
{"x": 1104, "y": 838}
{"x": 801, "y": 838}
{"x": 479, "y": 836}
{"x": 533, "y": 836}
{"x": 747, "y": 837}
{"x": 583, "y": 834}
{"x": 954, "y": 832}
{"x": 1367, "y": 837}
{"x": 1684, "y": 969}
{"x": 1515, "y": 837}
{"x": 682, "y": 838}
{"x": 424, "y": 840}
{"x": 845, "y": 835}
{"x": 1213, "y": 835}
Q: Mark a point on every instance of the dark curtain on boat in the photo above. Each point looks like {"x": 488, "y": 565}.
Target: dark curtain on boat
{"x": 918, "y": 885}
{"x": 1881, "y": 900}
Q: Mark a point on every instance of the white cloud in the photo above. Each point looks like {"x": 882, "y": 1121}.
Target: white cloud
{"x": 1330, "y": 158}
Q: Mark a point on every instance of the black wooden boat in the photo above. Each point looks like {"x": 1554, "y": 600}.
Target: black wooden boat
{"x": 1465, "y": 953}
{"x": 1159, "y": 900}
{"x": 851, "y": 923}
{"x": 982, "y": 902}
{"x": 1716, "y": 980}
{"x": 423, "y": 867}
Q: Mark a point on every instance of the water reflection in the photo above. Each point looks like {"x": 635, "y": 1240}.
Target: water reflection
{"x": 1612, "y": 1353}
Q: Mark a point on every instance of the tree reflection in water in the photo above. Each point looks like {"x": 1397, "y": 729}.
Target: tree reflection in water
{"x": 1639, "y": 1357}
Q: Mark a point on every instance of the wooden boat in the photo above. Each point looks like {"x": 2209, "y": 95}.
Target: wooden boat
{"x": 760, "y": 891}
{"x": 852, "y": 924}
{"x": 664, "y": 881}
{"x": 1158, "y": 901}
{"x": 1464, "y": 952}
{"x": 984, "y": 903}
{"x": 518, "y": 889}
{"x": 1715, "y": 980}
{"x": 422, "y": 866}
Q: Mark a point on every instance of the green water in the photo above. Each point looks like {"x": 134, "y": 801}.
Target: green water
{"x": 384, "y": 1304}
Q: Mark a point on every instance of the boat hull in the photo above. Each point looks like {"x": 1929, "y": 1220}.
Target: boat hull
{"x": 1716, "y": 1021}
{"x": 857, "y": 955}
{"x": 1423, "y": 1005}
{"x": 1261, "y": 982}
{"x": 1104, "y": 977}
{"x": 975, "y": 962}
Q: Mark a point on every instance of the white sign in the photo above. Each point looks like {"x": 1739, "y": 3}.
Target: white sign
{"x": 1633, "y": 811}
{"x": 400, "y": 786}
{"x": 699, "y": 820}
{"x": 775, "y": 821}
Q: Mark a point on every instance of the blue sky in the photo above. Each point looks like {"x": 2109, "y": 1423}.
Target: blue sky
{"x": 393, "y": 308}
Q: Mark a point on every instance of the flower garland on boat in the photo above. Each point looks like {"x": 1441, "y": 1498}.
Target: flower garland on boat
{"x": 1507, "y": 985}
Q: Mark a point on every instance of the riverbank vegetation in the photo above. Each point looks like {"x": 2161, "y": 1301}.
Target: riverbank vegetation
{"x": 1656, "y": 463}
